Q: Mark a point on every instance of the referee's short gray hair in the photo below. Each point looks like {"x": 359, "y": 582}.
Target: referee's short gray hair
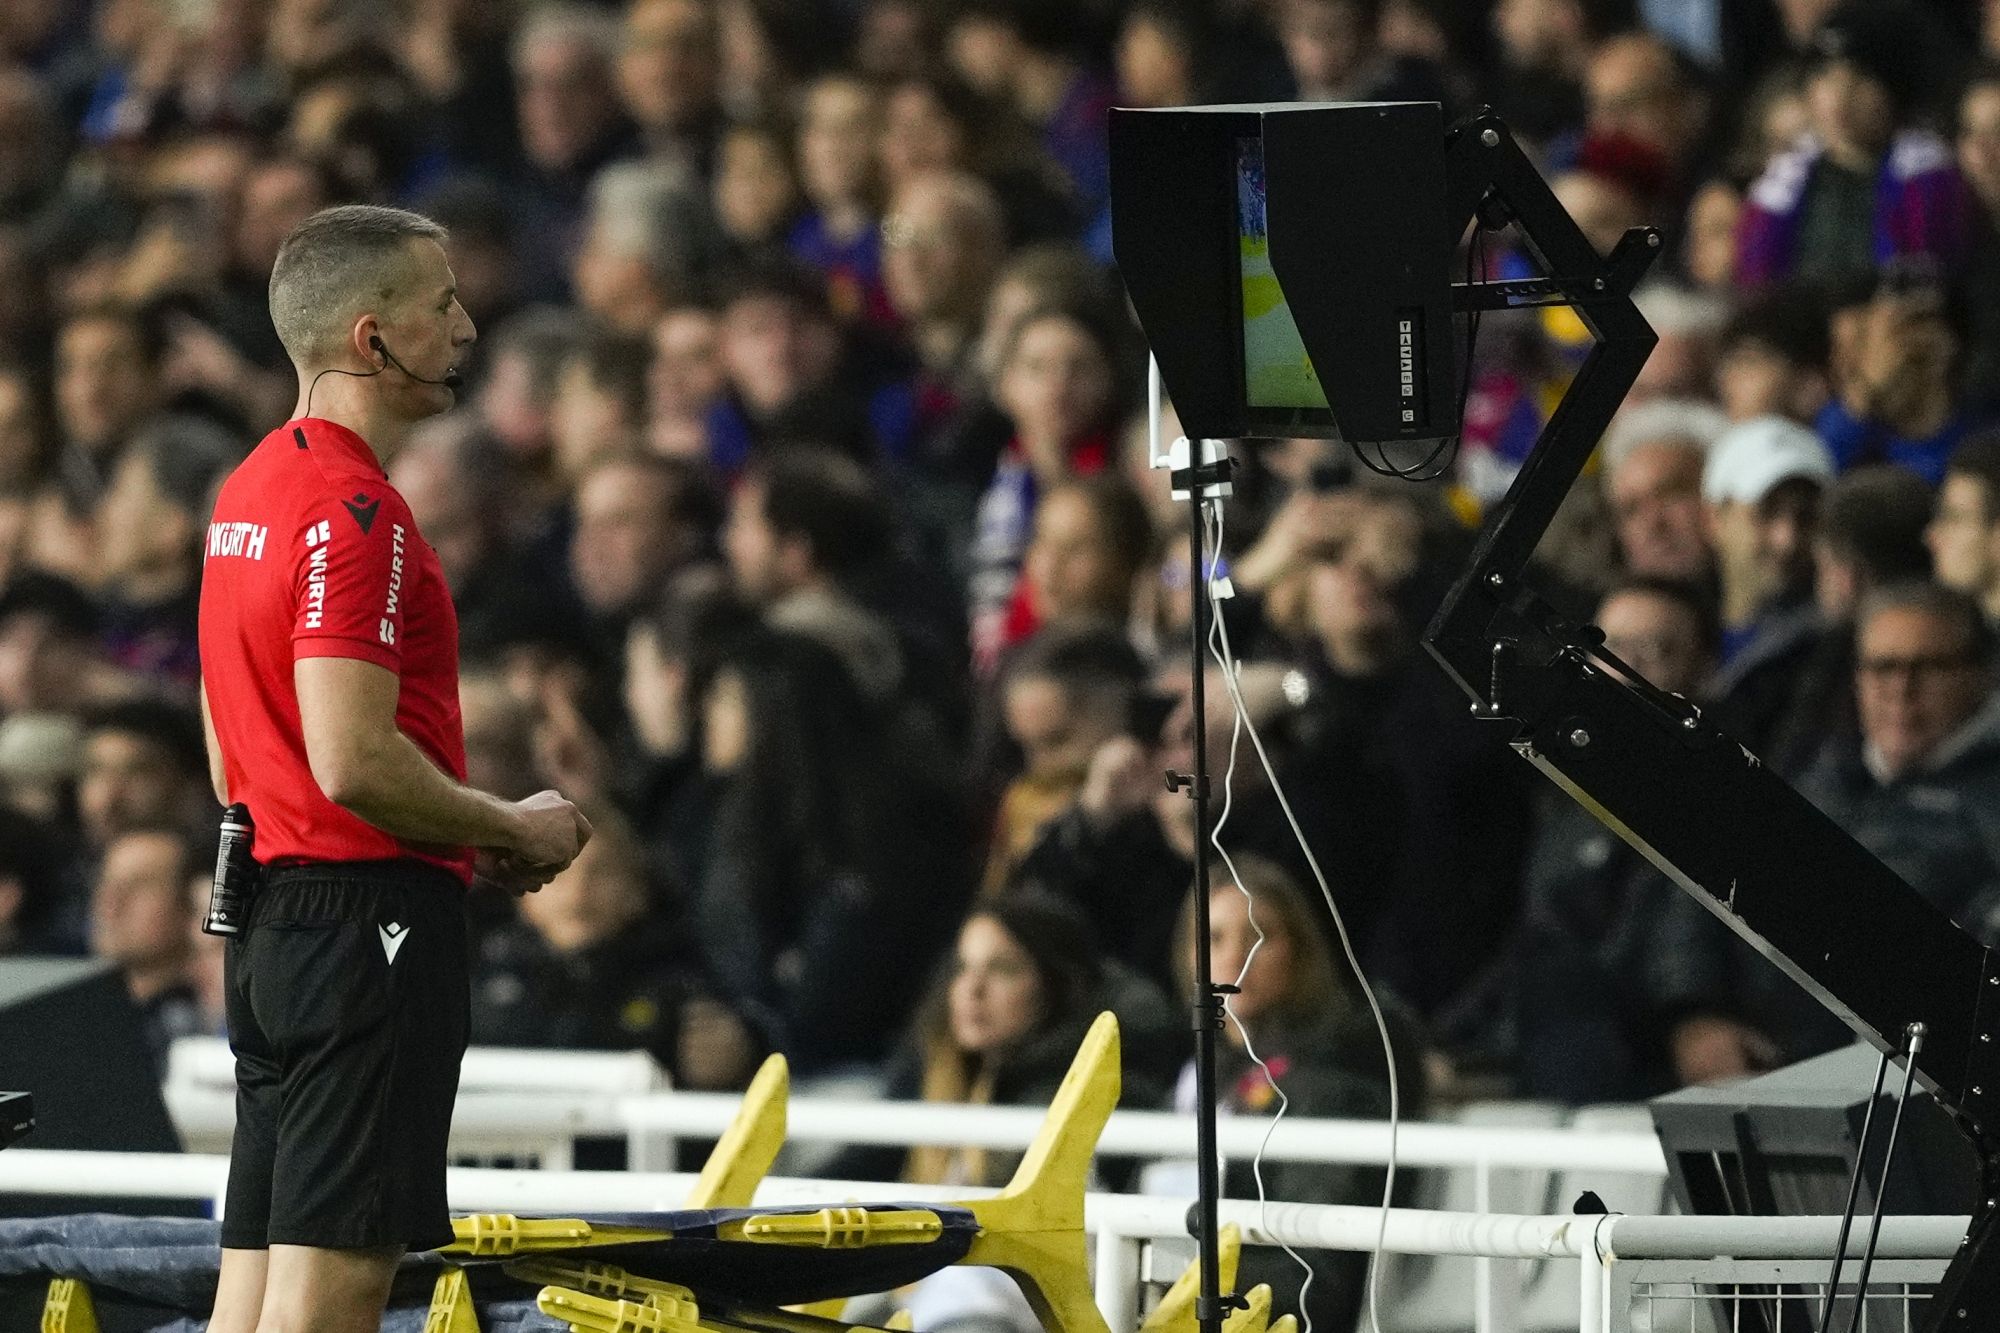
{"x": 1684, "y": 421}
{"x": 335, "y": 264}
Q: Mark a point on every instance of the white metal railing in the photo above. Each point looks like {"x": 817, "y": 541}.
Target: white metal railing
{"x": 1606, "y": 1250}
{"x": 528, "y": 1097}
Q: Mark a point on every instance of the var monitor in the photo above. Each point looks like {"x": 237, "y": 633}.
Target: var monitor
{"x": 1291, "y": 266}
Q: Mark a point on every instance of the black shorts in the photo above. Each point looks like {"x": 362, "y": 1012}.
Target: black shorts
{"x": 348, "y": 1003}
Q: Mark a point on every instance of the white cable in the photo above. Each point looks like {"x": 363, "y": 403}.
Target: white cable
{"x": 1211, "y": 555}
{"x": 1227, "y": 658}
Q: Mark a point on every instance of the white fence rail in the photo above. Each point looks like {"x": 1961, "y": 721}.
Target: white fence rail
{"x": 541, "y": 1097}
{"x": 1586, "y": 1251}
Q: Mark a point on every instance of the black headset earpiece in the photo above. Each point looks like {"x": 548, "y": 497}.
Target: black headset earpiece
{"x": 451, "y": 379}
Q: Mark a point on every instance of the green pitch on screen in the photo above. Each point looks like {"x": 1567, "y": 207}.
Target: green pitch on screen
{"x": 1276, "y": 370}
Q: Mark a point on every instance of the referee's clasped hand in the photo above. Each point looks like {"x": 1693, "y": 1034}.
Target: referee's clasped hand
{"x": 550, "y": 831}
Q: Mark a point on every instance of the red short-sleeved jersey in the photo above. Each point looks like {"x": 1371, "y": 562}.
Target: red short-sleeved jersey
{"x": 311, "y": 553}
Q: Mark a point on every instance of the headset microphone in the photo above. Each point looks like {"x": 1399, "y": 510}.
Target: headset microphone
{"x": 451, "y": 379}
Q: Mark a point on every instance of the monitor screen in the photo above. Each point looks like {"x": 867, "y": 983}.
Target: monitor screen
{"x": 1276, "y": 370}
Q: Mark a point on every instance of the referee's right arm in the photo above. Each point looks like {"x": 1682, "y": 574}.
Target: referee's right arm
{"x": 366, "y": 766}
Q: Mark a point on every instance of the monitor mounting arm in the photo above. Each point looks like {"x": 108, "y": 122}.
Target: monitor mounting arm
{"x": 1655, "y": 770}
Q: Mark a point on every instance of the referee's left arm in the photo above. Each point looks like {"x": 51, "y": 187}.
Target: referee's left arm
{"x": 217, "y": 775}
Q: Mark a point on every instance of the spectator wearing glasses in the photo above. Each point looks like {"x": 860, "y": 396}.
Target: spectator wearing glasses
{"x": 1921, "y": 788}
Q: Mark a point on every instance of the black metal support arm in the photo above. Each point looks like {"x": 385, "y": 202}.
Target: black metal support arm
{"x": 1656, "y": 771}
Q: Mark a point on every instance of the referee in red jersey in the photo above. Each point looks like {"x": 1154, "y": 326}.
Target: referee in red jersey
{"x": 329, "y": 655}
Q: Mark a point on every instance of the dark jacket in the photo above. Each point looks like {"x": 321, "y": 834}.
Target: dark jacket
{"x": 623, "y": 993}
{"x": 1938, "y": 826}
{"x": 1589, "y": 1028}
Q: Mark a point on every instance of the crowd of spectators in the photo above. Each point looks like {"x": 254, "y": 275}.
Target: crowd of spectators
{"x": 798, "y": 515}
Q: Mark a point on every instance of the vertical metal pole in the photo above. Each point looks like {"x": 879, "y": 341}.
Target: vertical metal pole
{"x": 1207, "y": 1001}
{"x": 1853, "y": 1196}
{"x": 1117, "y": 1278}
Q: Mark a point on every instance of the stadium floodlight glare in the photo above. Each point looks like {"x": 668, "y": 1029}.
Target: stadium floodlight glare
{"x": 1291, "y": 266}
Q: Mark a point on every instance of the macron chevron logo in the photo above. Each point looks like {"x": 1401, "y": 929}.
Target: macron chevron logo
{"x": 363, "y": 509}
{"x": 393, "y": 936}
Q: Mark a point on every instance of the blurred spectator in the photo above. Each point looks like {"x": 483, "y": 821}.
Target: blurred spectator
{"x": 143, "y": 766}
{"x": 1544, "y": 53}
{"x": 1160, "y": 45}
{"x": 31, "y": 162}
{"x": 802, "y": 527}
{"x": 1614, "y": 184}
{"x": 205, "y": 970}
{"x": 766, "y": 49}
{"x": 833, "y": 854}
{"x": 1964, "y": 536}
{"x": 1690, "y": 326}
{"x": 1038, "y": 63}
{"x": 592, "y": 963}
{"x": 1064, "y": 696}
{"x": 684, "y": 380}
{"x": 154, "y": 522}
{"x": 666, "y": 78}
{"x": 107, "y": 384}
{"x": 599, "y": 410}
{"x": 1335, "y": 54}
{"x": 28, "y": 876}
{"x": 648, "y": 242}
{"x": 1653, "y": 460}
{"x": 1772, "y": 358}
{"x": 1299, "y": 1015}
{"x": 457, "y": 492}
{"x": 1092, "y": 539}
{"x": 670, "y": 651}
{"x": 1761, "y": 492}
{"x": 894, "y": 37}
{"x": 570, "y": 125}
{"x": 1871, "y": 534}
{"x": 277, "y": 193}
{"x": 782, "y": 358}
{"x": 139, "y": 912}
{"x": 1394, "y": 750}
{"x": 499, "y": 731}
{"x": 933, "y": 122}
{"x": 1915, "y": 787}
{"x": 1979, "y": 163}
{"x": 40, "y": 756}
{"x": 1896, "y": 364}
{"x": 1637, "y": 85}
{"x": 514, "y": 404}
{"x": 639, "y": 518}
{"x": 1057, "y": 382}
{"x": 756, "y": 194}
{"x": 943, "y": 243}
{"x": 27, "y": 457}
{"x": 1708, "y": 243}
{"x": 49, "y": 655}
{"x": 480, "y": 247}
{"x": 837, "y": 171}
{"x": 1000, "y": 1025}
{"x": 1863, "y": 187}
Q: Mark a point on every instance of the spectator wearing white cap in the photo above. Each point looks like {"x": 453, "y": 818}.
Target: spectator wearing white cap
{"x": 1761, "y": 491}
